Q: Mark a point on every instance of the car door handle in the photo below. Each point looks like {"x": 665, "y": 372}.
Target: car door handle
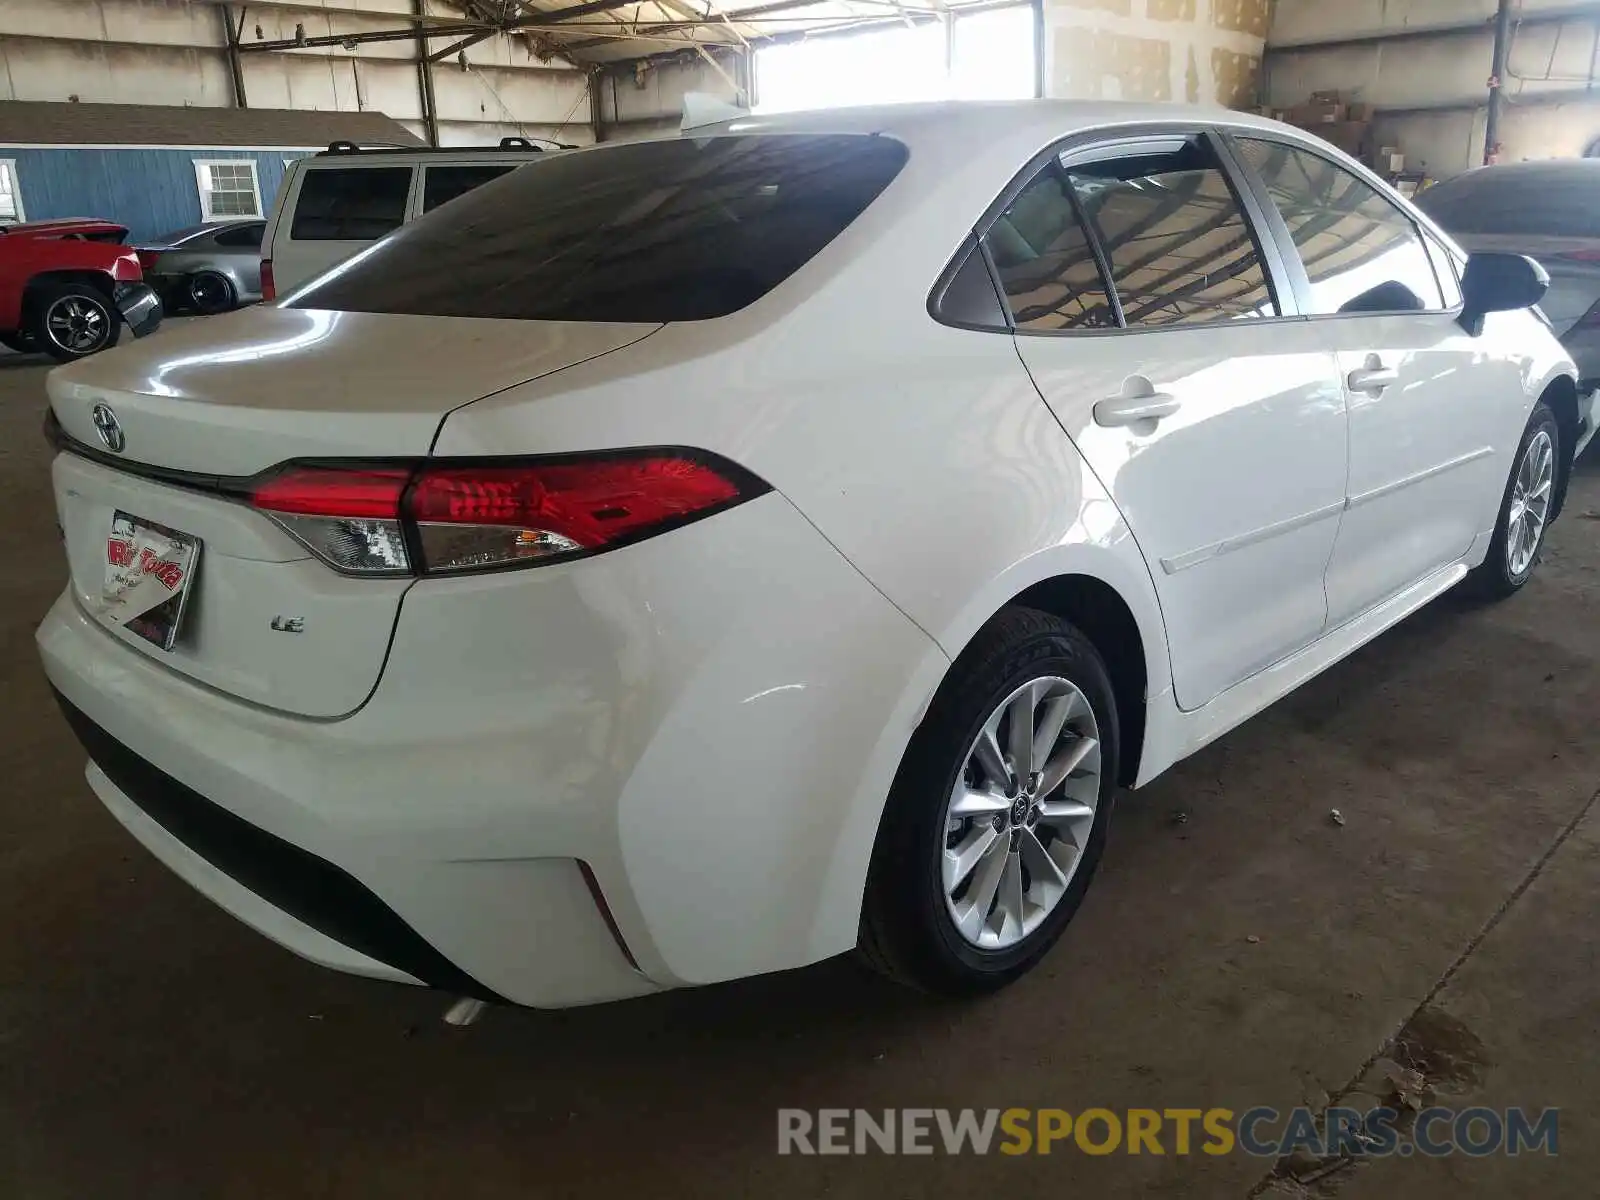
{"x": 1373, "y": 377}
{"x": 1139, "y": 402}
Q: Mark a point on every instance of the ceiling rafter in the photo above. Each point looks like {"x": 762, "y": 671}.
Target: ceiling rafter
{"x": 596, "y": 34}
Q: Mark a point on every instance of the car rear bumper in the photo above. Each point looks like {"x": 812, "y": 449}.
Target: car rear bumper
{"x": 140, "y": 307}
{"x": 292, "y": 896}
{"x": 168, "y": 287}
{"x": 301, "y": 877}
{"x": 588, "y": 781}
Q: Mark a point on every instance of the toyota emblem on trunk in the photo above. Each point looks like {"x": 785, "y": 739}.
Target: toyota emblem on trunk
{"x": 108, "y": 427}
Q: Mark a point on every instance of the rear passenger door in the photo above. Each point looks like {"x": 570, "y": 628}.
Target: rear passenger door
{"x": 1157, "y": 325}
{"x": 1427, "y": 404}
{"x": 335, "y": 211}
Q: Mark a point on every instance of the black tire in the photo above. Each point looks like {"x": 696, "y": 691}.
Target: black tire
{"x": 210, "y": 293}
{"x": 907, "y": 932}
{"x": 58, "y": 300}
{"x": 18, "y": 340}
{"x": 1494, "y": 579}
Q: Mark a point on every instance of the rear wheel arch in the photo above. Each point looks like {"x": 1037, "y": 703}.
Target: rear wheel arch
{"x": 1100, "y": 612}
{"x": 39, "y": 283}
{"x": 1103, "y": 615}
{"x": 83, "y": 331}
{"x": 1561, "y": 394}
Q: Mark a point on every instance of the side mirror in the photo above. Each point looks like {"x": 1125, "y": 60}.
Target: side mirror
{"x": 1499, "y": 283}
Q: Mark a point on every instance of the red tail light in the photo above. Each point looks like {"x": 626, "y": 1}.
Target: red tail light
{"x": 334, "y": 492}
{"x": 269, "y": 289}
{"x": 443, "y": 517}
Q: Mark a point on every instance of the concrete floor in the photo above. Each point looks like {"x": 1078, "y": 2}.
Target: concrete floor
{"x": 1238, "y": 949}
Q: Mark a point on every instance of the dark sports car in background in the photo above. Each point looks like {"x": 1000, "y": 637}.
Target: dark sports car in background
{"x": 208, "y": 268}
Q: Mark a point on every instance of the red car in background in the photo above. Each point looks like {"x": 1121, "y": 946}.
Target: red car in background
{"x": 68, "y": 286}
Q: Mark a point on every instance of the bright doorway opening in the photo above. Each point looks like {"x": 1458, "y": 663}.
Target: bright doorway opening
{"x": 986, "y": 55}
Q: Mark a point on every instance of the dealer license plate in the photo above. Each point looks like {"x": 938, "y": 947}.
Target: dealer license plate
{"x": 149, "y": 573}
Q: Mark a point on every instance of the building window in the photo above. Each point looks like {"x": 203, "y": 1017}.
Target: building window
{"x": 985, "y": 55}
{"x": 228, "y": 188}
{"x": 10, "y": 193}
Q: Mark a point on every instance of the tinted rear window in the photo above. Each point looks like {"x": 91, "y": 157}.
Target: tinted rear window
{"x": 440, "y": 185}
{"x": 350, "y": 204}
{"x": 242, "y": 236}
{"x": 1549, "y": 204}
{"x": 679, "y": 230}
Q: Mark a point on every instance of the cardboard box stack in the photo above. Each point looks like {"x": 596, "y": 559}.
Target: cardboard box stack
{"x": 1345, "y": 123}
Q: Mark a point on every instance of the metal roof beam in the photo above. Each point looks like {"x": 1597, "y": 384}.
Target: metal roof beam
{"x": 725, "y": 18}
{"x": 455, "y": 48}
{"x": 595, "y": 7}
{"x": 331, "y": 10}
{"x": 360, "y": 39}
{"x": 842, "y": 26}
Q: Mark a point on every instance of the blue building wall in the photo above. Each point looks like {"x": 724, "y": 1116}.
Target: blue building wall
{"x": 149, "y": 191}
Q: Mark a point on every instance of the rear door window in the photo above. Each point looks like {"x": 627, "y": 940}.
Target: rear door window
{"x": 440, "y": 185}
{"x": 1045, "y": 260}
{"x": 1180, "y": 249}
{"x": 684, "y": 229}
{"x": 1165, "y": 224}
{"x": 350, "y": 204}
{"x": 242, "y": 237}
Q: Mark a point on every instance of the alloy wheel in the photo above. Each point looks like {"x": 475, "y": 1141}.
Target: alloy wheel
{"x": 77, "y": 324}
{"x": 1530, "y": 503}
{"x": 208, "y": 292}
{"x": 1020, "y": 814}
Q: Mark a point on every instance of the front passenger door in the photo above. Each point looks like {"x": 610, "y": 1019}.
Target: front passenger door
{"x": 1427, "y": 405}
{"x": 1145, "y": 311}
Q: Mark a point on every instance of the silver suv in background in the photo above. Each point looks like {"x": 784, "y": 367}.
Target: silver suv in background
{"x": 341, "y": 200}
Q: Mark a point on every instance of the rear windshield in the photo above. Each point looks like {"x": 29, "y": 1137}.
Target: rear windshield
{"x": 679, "y": 230}
{"x": 178, "y": 235}
{"x": 247, "y": 237}
{"x": 1565, "y": 204}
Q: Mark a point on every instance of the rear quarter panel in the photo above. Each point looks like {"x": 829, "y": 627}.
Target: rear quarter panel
{"x": 243, "y": 270}
{"x": 923, "y": 453}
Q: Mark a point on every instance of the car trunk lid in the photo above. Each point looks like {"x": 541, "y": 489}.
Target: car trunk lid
{"x": 234, "y": 395}
{"x": 187, "y": 418}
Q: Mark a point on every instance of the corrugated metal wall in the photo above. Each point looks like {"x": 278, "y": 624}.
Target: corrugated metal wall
{"x": 1424, "y": 66}
{"x": 150, "y": 191}
{"x": 173, "y": 52}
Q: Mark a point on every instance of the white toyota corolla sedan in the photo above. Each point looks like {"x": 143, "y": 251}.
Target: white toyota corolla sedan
{"x": 687, "y": 559}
